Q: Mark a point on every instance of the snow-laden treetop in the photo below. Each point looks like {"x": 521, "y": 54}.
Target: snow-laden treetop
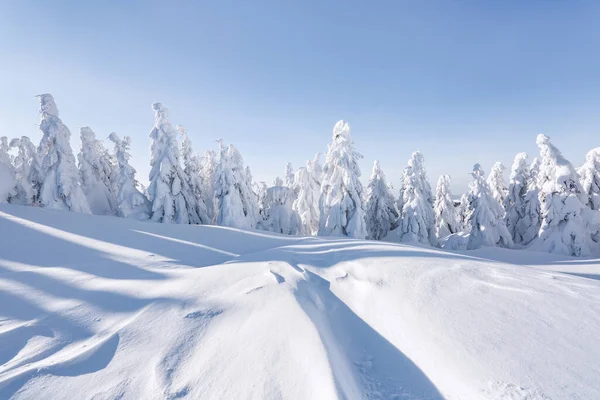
{"x": 47, "y": 105}
{"x": 160, "y": 111}
{"x": 341, "y": 130}
{"x": 87, "y": 133}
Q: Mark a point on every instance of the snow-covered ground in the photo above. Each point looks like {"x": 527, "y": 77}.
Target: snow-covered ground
{"x": 109, "y": 308}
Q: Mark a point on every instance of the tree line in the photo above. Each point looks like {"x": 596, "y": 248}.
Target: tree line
{"x": 547, "y": 205}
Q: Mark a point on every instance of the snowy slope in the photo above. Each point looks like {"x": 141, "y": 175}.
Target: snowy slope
{"x": 108, "y": 308}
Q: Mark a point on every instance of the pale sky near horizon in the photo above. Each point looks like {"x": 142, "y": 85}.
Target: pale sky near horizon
{"x": 462, "y": 81}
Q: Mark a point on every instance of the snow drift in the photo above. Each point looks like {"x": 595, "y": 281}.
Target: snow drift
{"x": 104, "y": 307}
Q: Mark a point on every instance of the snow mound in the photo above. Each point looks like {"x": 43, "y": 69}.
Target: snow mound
{"x": 103, "y": 307}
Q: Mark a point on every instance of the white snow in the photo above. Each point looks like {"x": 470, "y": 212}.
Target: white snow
{"x": 113, "y": 308}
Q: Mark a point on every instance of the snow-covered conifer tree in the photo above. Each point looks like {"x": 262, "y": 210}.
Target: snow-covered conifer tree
{"x": 340, "y": 204}
{"x": 529, "y": 225}
{"x": 289, "y": 175}
{"x": 446, "y": 222}
{"x": 96, "y": 171}
{"x": 27, "y": 171}
{"x": 278, "y": 214}
{"x": 307, "y": 201}
{"x": 381, "y": 215}
{"x": 130, "y": 201}
{"x": 417, "y": 220}
{"x": 60, "y": 185}
{"x": 8, "y": 179}
{"x": 400, "y": 199}
{"x": 497, "y": 183}
{"x": 260, "y": 188}
{"x": 208, "y": 167}
{"x": 568, "y": 225}
{"x": 315, "y": 169}
{"x": 514, "y": 203}
{"x": 235, "y": 201}
{"x": 192, "y": 170}
{"x": 486, "y": 215}
{"x": 589, "y": 174}
{"x": 462, "y": 214}
{"x": 171, "y": 197}
{"x": 277, "y": 181}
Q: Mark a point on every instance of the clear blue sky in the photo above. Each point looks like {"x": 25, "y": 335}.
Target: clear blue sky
{"x": 462, "y": 81}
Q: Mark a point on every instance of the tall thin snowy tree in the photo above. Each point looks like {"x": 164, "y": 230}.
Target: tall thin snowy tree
{"x": 462, "y": 214}
{"x": 568, "y": 225}
{"x": 260, "y": 188}
{"x": 589, "y": 174}
{"x": 307, "y": 201}
{"x": 529, "y": 225}
{"x": 315, "y": 169}
{"x": 208, "y": 167}
{"x": 8, "y": 179}
{"x": 486, "y": 215}
{"x": 417, "y": 220}
{"x": 130, "y": 201}
{"x": 445, "y": 214}
{"x": 381, "y": 214}
{"x": 289, "y": 175}
{"x": 192, "y": 170}
{"x": 171, "y": 197}
{"x": 235, "y": 202}
{"x": 400, "y": 199}
{"x": 497, "y": 183}
{"x": 96, "y": 171}
{"x": 60, "y": 187}
{"x": 514, "y": 203}
{"x": 340, "y": 204}
{"x": 27, "y": 171}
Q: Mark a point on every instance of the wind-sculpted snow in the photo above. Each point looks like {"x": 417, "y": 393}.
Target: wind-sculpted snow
{"x": 112, "y": 308}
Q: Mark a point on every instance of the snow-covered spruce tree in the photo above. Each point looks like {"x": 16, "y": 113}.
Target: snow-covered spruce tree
{"x": 446, "y": 222}
{"x": 315, "y": 169}
{"x": 278, "y": 214}
{"x": 589, "y": 174}
{"x": 60, "y": 187}
{"x": 486, "y": 215}
{"x": 171, "y": 197}
{"x": 497, "y": 183}
{"x": 8, "y": 179}
{"x": 529, "y": 225}
{"x": 307, "y": 201}
{"x": 340, "y": 204}
{"x": 400, "y": 199}
{"x": 462, "y": 214}
{"x": 514, "y": 203}
{"x": 381, "y": 214}
{"x": 308, "y": 192}
{"x": 568, "y": 225}
{"x": 27, "y": 171}
{"x": 192, "y": 170}
{"x": 260, "y": 188}
{"x": 417, "y": 220}
{"x": 235, "y": 202}
{"x": 289, "y": 175}
{"x": 208, "y": 167}
{"x": 130, "y": 201}
{"x": 96, "y": 174}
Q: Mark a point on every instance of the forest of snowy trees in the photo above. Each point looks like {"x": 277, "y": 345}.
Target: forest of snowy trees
{"x": 547, "y": 204}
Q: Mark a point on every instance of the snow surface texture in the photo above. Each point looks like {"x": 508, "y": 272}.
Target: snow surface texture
{"x": 113, "y": 308}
